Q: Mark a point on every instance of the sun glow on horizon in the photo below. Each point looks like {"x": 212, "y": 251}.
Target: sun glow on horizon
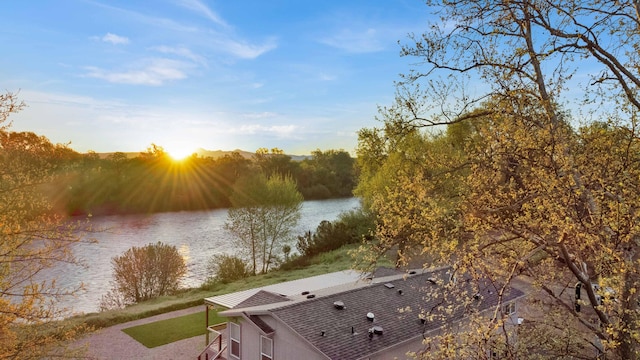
{"x": 179, "y": 153}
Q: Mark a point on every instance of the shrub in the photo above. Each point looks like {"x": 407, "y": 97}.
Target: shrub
{"x": 143, "y": 273}
{"x": 351, "y": 227}
{"x": 227, "y": 268}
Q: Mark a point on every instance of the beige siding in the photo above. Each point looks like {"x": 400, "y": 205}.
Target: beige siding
{"x": 286, "y": 344}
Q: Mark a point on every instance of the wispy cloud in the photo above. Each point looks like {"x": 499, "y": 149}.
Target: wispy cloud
{"x": 261, "y": 115}
{"x": 283, "y": 131}
{"x": 154, "y": 72}
{"x": 202, "y": 9}
{"x": 244, "y": 50}
{"x": 182, "y": 52}
{"x": 365, "y": 40}
{"x": 161, "y": 22}
{"x": 115, "y": 39}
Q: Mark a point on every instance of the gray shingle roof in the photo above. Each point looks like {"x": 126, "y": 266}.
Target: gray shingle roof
{"x": 262, "y": 297}
{"x": 330, "y": 329}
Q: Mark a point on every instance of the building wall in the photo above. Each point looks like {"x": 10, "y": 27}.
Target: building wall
{"x": 286, "y": 344}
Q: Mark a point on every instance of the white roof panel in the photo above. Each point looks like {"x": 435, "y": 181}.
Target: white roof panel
{"x": 290, "y": 288}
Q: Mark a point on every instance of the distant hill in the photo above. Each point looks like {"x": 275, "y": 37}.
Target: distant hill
{"x": 212, "y": 154}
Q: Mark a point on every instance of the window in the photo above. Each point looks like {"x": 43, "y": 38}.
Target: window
{"x": 509, "y": 308}
{"x": 234, "y": 337}
{"x": 266, "y": 348}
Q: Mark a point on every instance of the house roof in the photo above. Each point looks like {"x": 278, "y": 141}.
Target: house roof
{"x": 344, "y": 334}
{"x": 262, "y": 297}
{"x": 289, "y": 288}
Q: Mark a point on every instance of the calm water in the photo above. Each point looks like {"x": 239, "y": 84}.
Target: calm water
{"x": 197, "y": 235}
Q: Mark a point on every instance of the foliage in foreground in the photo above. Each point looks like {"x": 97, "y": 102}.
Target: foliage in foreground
{"x": 33, "y": 238}
{"x": 143, "y": 273}
{"x": 514, "y": 187}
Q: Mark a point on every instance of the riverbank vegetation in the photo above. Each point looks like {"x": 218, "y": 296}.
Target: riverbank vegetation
{"x": 336, "y": 260}
{"x": 144, "y": 273}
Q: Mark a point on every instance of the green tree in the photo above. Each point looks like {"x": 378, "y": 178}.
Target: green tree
{"x": 540, "y": 197}
{"x": 264, "y": 212}
{"x": 331, "y": 173}
{"x": 33, "y": 238}
{"x": 143, "y": 273}
{"x": 275, "y": 162}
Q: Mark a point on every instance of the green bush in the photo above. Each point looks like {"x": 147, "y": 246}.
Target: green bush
{"x": 227, "y": 268}
{"x": 350, "y": 228}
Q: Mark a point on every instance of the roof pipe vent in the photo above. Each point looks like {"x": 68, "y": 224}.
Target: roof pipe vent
{"x": 310, "y": 296}
{"x": 377, "y": 330}
{"x": 370, "y": 316}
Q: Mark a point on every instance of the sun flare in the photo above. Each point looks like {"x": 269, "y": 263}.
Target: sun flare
{"x": 179, "y": 153}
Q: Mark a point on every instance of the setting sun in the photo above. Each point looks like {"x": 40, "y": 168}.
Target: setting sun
{"x": 179, "y": 153}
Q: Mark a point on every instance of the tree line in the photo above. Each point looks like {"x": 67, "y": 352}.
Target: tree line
{"x": 153, "y": 182}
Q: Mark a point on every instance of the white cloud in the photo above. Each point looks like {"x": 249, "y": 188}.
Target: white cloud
{"x": 203, "y": 10}
{"x": 261, "y": 115}
{"x": 155, "y": 72}
{"x": 356, "y": 41}
{"x": 115, "y": 39}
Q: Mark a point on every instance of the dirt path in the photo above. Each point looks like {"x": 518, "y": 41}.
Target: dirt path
{"x": 112, "y": 343}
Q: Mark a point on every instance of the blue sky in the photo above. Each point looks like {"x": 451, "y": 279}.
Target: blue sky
{"x": 120, "y": 75}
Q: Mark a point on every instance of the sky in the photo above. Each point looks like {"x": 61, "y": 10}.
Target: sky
{"x": 220, "y": 75}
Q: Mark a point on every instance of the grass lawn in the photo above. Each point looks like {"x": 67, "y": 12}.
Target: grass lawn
{"x": 167, "y": 331}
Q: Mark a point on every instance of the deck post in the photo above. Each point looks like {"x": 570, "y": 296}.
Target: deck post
{"x": 206, "y": 316}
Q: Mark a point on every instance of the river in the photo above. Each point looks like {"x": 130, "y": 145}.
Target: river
{"x": 197, "y": 235}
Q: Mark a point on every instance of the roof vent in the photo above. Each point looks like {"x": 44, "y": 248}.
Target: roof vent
{"x": 377, "y": 330}
{"x": 432, "y": 280}
{"x": 476, "y": 296}
{"x": 412, "y": 272}
{"x": 389, "y": 285}
{"x": 310, "y": 296}
{"x": 339, "y": 305}
{"x": 370, "y": 316}
{"x": 305, "y": 293}
{"x": 400, "y": 292}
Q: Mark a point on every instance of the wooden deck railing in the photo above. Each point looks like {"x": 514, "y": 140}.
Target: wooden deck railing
{"x": 215, "y": 348}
